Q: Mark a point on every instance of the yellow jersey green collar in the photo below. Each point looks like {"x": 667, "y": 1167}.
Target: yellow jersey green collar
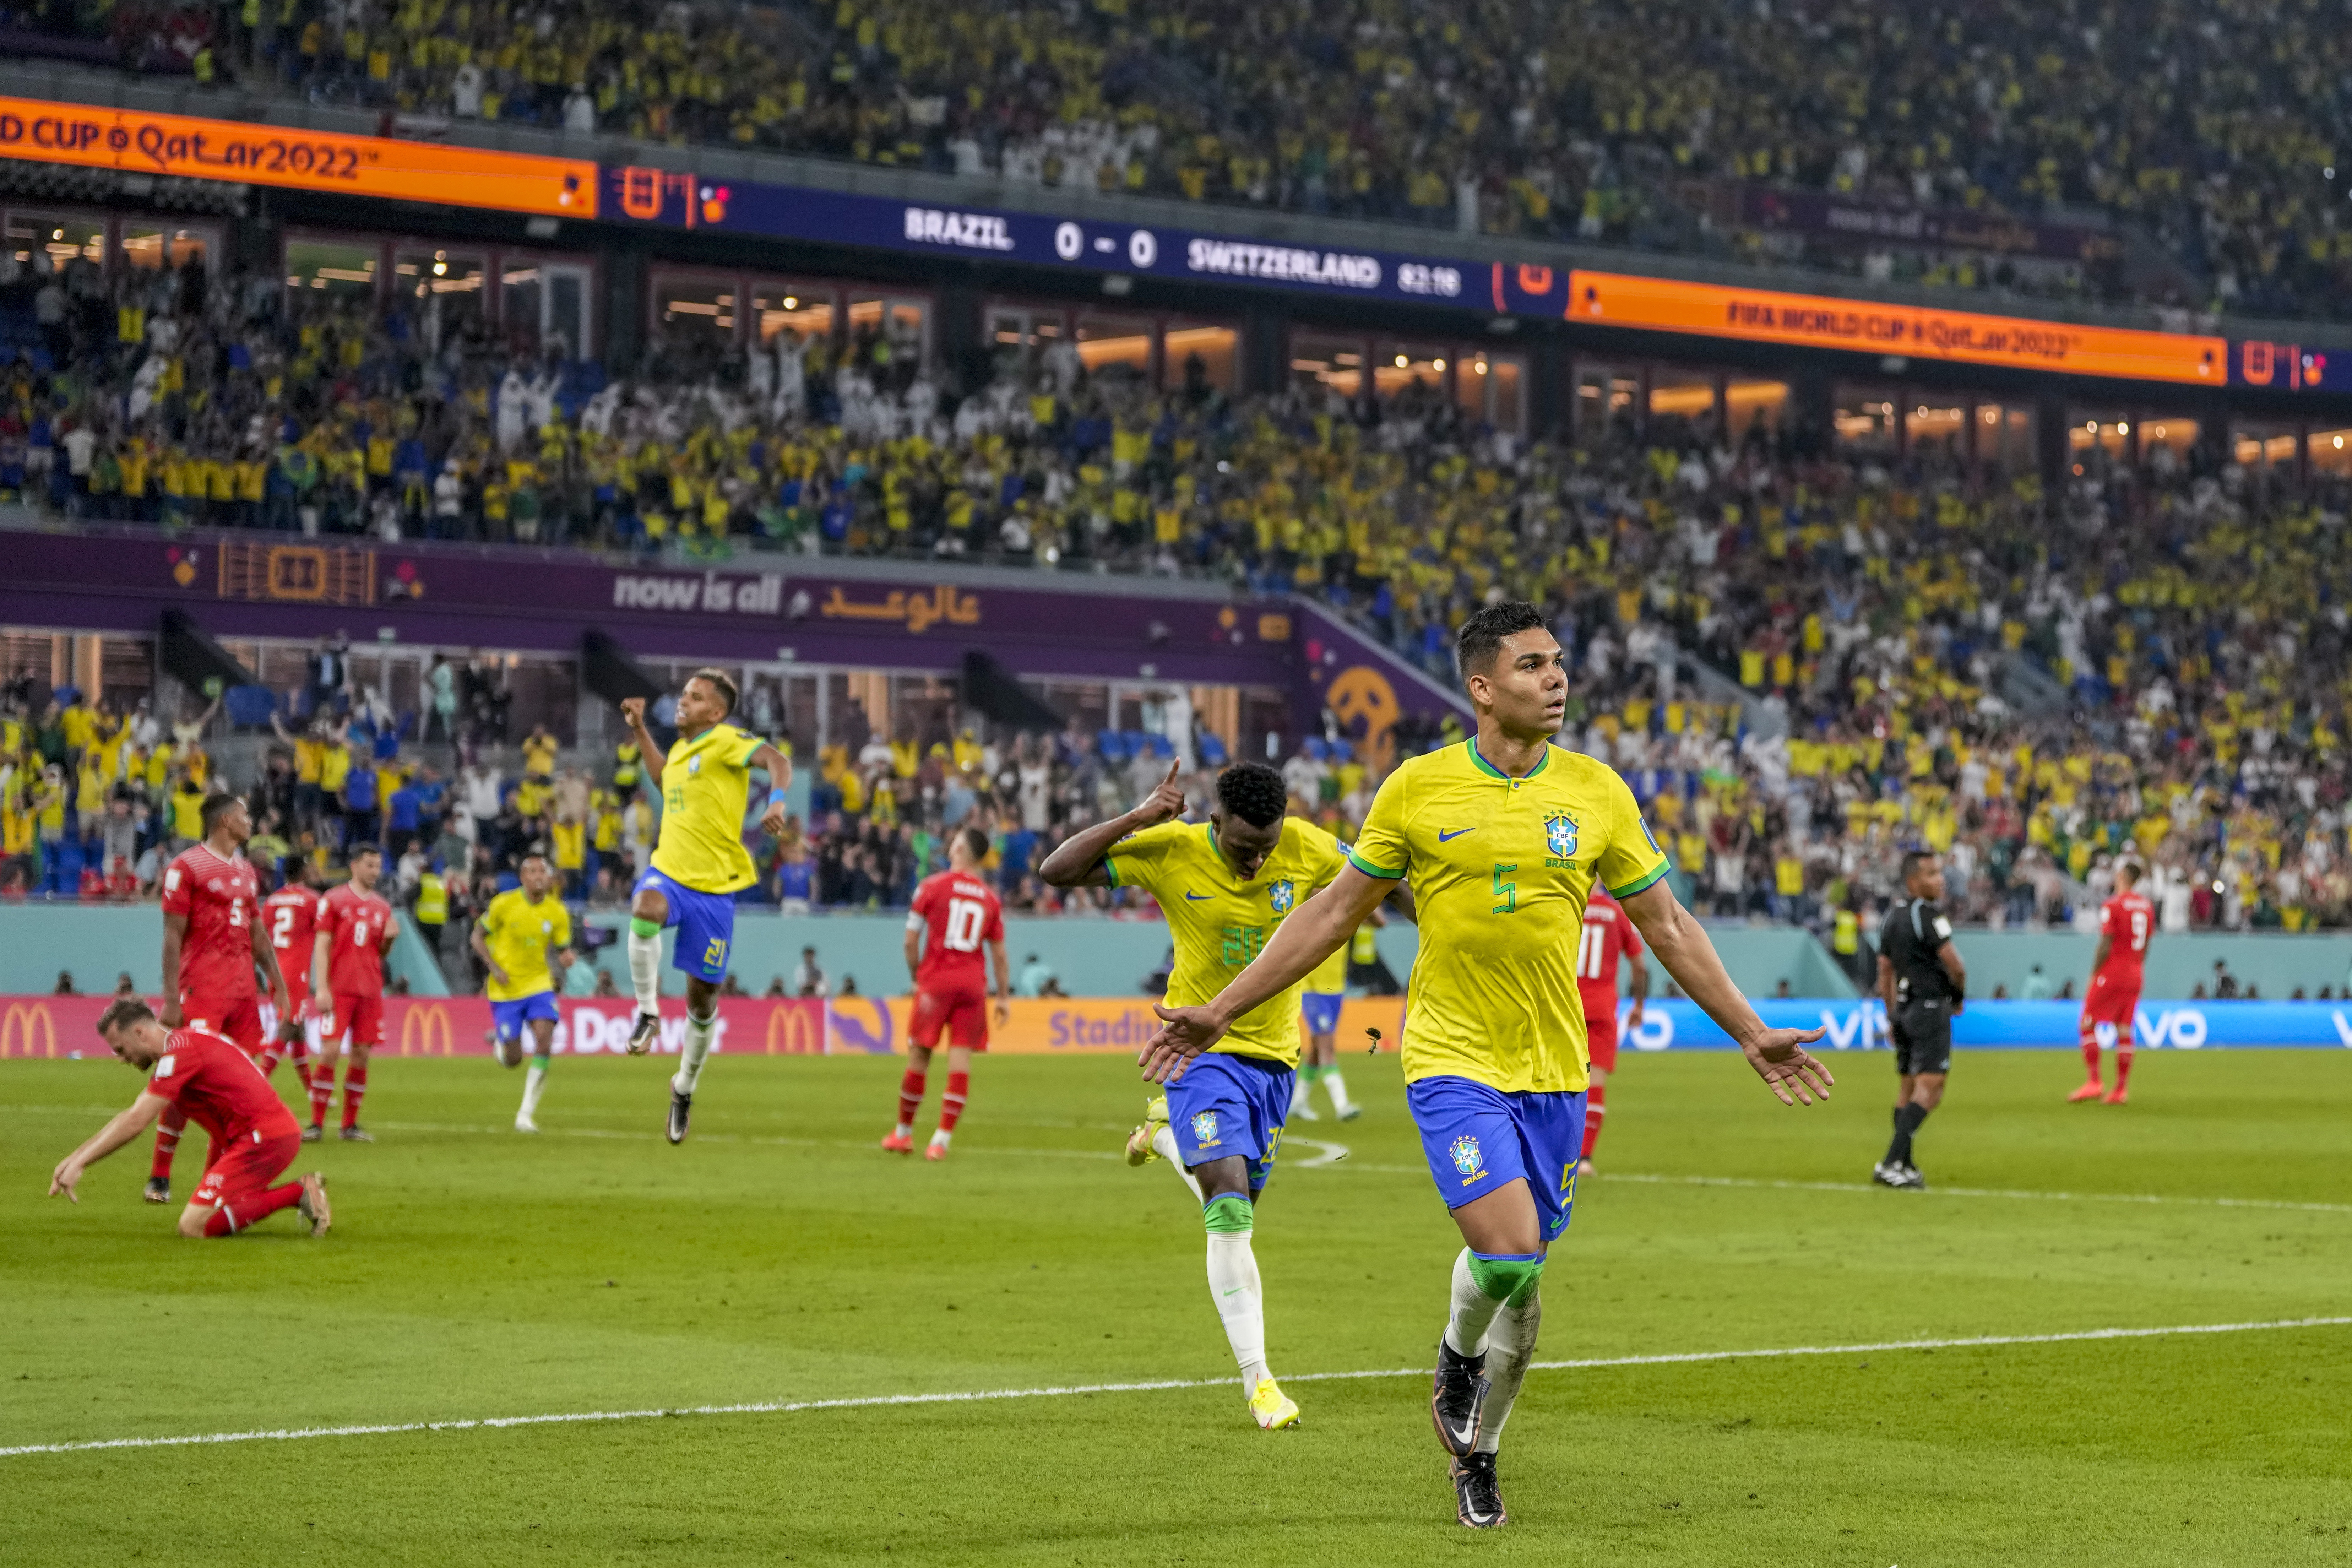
{"x": 1492, "y": 771}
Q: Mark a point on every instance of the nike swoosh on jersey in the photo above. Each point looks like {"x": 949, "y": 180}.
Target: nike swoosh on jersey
{"x": 1194, "y": 897}
{"x": 1457, "y": 833}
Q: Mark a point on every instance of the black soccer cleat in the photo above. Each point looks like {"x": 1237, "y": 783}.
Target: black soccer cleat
{"x": 681, "y": 1108}
{"x": 1912, "y": 1179}
{"x": 159, "y": 1190}
{"x": 313, "y": 1133}
{"x": 646, "y": 1036}
{"x": 1477, "y": 1495}
{"x": 1456, "y": 1396}
{"x": 355, "y": 1133}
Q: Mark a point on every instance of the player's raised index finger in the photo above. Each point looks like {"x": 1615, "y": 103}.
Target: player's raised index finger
{"x": 1174, "y": 769}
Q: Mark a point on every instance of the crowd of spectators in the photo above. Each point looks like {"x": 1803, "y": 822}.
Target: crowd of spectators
{"x": 2212, "y": 130}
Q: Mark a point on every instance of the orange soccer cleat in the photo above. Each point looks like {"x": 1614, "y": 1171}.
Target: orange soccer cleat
{"x": 898, "y": 1143}
{"x": 2118, "y": 1096}
{"x": 935, "y": 1150}
{"x": 2091, "y": 1090}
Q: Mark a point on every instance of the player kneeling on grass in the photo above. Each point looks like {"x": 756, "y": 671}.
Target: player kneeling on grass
{"x": 221, "y": 1089}
{"x": 1223, "y": 884}
{"x": 954, "y": 916}
{"x": 525, "y": 940}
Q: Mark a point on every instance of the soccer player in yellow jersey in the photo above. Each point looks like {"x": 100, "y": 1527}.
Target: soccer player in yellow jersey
{"x": 1501, "y": 838}
{"x": 1318, "y": 1006}
{"x": 1223, "y": 885}
{"x": 699, "y": 864}
{"x": 525, "y": 940}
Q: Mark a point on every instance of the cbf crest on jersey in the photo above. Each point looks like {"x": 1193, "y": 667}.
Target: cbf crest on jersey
{"x": 1559, "y": 839}
{"x": 1204, "y": 1127}
{"x": 1468, "y": 1158}
{"x": 1282, "y": 895}
{"x": 694, "y": 765}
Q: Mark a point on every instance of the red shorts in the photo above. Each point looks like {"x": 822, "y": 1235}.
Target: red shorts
{"x": 2108, "y": 1002}
{"x": 358, "y": 1019}
{"x": 1600, "y": 1034}
{"x": 248, "y": 1166}
{"x": 962, "y": 1012}
{"x": 239, "y": 1021}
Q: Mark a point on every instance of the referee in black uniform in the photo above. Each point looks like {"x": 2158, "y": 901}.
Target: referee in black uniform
{"x": 1922, "y": 981}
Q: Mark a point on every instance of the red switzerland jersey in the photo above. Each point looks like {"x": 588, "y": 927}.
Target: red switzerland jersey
{"x": 2127, "y": 919}
{"x": 220, "y": 1088}
{"x": 1609, "y": 937}
{"x": 960, "y": 912}
{"x": 354, "y": 923}
{"x": 219, "y": 897}
{"x": 291, "y": 917}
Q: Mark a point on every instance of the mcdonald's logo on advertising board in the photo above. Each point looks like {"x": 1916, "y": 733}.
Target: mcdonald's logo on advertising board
{"x": 796, "y": 1028}
{"x": 423, "y": 1023}
{"x": 22, "y": 1023}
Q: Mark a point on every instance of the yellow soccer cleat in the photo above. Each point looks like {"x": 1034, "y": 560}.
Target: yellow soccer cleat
{"x": 1139, "y": 1150}
{"x": 1273, "y": 1408}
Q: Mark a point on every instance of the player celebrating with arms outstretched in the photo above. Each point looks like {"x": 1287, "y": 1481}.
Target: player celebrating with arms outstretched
{"x": 1501, "y": 838}
{"x": 524, "y": 938}
{"x": 699, "y": 865}
{"x": 1223, "y": 885}
{"x": 2108, "y": 1007}
{"x": 954, "y": 916}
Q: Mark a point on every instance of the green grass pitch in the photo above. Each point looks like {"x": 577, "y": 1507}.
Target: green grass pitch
{"x": 779, "y": 1256}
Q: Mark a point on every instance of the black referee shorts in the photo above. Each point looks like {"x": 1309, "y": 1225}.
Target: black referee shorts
{"x": 1921, "y": 1033}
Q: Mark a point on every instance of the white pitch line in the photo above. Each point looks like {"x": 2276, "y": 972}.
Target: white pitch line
{"x": 867, "y": 1401}
{"x": 1331, "y": 1154}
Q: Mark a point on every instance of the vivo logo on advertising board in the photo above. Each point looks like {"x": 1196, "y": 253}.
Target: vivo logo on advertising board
{"x": 1676, "y": 1024}
{"x": 965, "y": 231}
{"x": 709, "y": 593}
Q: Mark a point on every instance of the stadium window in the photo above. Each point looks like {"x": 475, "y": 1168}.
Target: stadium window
{"x": 1505, "y": 378}
{"x": 1605, "y": 398}
{"x": 1935, "y": 427}
{"x": 1682, "y": 404}
{"x": 543, "y": 302}
{"x": 336, "y": 269}
{"x": 1420, "y": 373}
{"x": 1123, "y": 343}
{"x": 1755, "y": 405}
{"x": 694, "y": 312}
{"x": 2103, "y": 430}
{"x": 804, "y": 309}
{"x": 1864, "y": 420}
{"x": 64, "y": 238}
{"x": 444, "y": 290}
{"x": 902, "y": 321}
{"x": 1317, "y": 359}
{"x": 2172, "y": 434}
{"x": 147, "y": 244}
{"x": 2331, "y": 451}
{"x": 2260, "y": 444}
{"x": 1215, "y": 351}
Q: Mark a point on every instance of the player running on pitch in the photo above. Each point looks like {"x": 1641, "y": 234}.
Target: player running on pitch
{"x": 355, "y": 932}
{"x": 2109, "y": 1005}
{"x": 212, "y": 945}
{"x": 524, "y": 940}
{"x": 290, "y": 917}
{"x": 1318, "y": 1010}
{"x": 954, "y": 915}
{"x": 1608, "y": 938}
{"x": 1223, "y": 885}
{"x": 699, "y": 866}
{"x": 214, "y": 1083}
{"x": 1501, "y": 838}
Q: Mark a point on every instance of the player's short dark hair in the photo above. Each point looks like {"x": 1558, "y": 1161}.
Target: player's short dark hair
{"x": 356, "y": 850}
{"x": 1914, "y": 858}
{"x": 214, "y": 808}
{"x": 1254, "y": 792}
{"x": 2129, "y": 868}
{"x": 975, "y": 840}
{"x": 1481, "y": 637}
{"x": 122, "y": 1012}
{"x": 720, "y": 681}
{"x": 533, "y": 853}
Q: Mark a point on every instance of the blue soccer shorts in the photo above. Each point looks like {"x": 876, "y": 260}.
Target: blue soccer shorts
{"x": 508, "y": 1018}
{"x": 1478, "y": 1139}
{"x": 1226, "y": 1105}
{"x": 1321, "y": 1011}
{"x": 705, "y": 923}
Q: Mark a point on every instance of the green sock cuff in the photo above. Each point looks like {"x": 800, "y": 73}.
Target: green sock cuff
{"x": 1309, "y": 1073}
{"x": 1510, "y": 1279}
{"x": 540, "y": 1064}
{"x": 1227, "y": 1215}
{"x": 640, "y": 926}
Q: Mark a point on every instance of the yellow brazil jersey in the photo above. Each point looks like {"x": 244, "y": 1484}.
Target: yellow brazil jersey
{"x": 519, "y": 934}
{"x": 1219, "y": 922}
{"x": 705, "y": 784}
{"x": 1499, "y": 870}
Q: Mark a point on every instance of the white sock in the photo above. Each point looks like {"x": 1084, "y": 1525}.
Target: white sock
{"x": 699, "y": 1032}
{"x": 1163, "y": 1143}
{"x": 1513, "y": 1346}
{"x": 1234, "y": 1287}
{"x": 1473, "y": 1310}
{"x": 1298, "y": 1095}
{"x": 1337, "y": 1086}
{"x": 532, "y": 1086}
{"x": 941, "y": 1135}
{"x": 645, "y": 971}
{"x": 905, "y": 1130}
